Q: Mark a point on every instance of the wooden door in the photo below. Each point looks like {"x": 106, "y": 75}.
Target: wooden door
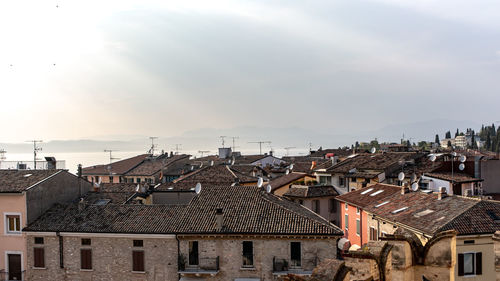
{"x": 14, "y": 267}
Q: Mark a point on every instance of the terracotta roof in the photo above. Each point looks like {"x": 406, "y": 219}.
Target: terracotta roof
{"x": 304, "y": 191}
{"x": 377, "y": 161}
{"x": 419, "y": 210}
{"x": 209, "y": 175}
{"x": 457, "y": 177}
{"x": 21, "y": 180}
{"x": 246, "y": 210}
{"x": 118, "y": 167}
{"x": 286, "y": 179}
{"x": 150, "y": 167}
{"x": 368, "y": 196}
{"x": 118, "y": 187}
{"x": 482, "y": 218}
{"x": 335, "y": 151}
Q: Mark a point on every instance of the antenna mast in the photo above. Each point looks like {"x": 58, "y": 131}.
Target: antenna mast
{"x": 153, "y": 146}
{"x": 177, "y": 145}
{"x": 111, "y": 158}
{"x": 260, "y": 144}
{"x": 222, "y": 138}
{"x": 35, "y": 150}
{"x": 234, "y": 146}
{"x": 288, "y": 149}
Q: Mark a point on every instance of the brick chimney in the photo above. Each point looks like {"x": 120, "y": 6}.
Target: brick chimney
{"x": 442, "y": 193}
{"x": 220, "y": 217}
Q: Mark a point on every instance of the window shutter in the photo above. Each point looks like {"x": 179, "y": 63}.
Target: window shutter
{"x": 479, "y": 263}
{"x": 460, "y": 264}
{"x": 86, "y": 258}
{"x": 138, "y": 261}
{"x": 39, "y": 257}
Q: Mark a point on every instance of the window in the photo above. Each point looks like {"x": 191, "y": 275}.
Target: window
{"x": 38, "y": 240}
{"x": 373, "y": 234}
{"x": 96, "y": 178}
{"x": 138, "y": 261}
{"x": 193, "y": 253}
{"x": 39, "y": 255}
{"x": 346, "y": 221}
{"x": 86, "y": 259}
{"x": 138, "y": 243}
{"x": 332, "y": 206}
{"x": 346, "y": 206}
{"x": 247, "y": 254}
{"x": 470, "y": 264}
{"x": 316, "y": 206}
{"x": 138, "y": 180}
{"x": 13, "y": 223}
{"x": 357, "y": 210}
{"x": 86, "y": 242}
{"x": 295, "y": 254}
{"x": 341, "y": 181}
{"x": 358, "y": 227}
{"x": 111, "y": 179}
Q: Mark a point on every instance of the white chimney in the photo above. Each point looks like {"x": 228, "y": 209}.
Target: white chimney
{"x": 442, "y": 193}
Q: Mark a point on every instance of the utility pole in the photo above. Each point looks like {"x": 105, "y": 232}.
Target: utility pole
{"x": 234, "y": 146}
{"x": 153, "y": 146}
{"x": 288, "y": 149}
{"x": 35, "y": 150}
{"x": 111, "y": 158}
{"x": 203, "y": 152}
{"x": 222, "y": 138}
{"x": 260, "y": 144}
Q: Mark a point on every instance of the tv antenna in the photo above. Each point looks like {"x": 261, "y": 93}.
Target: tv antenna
{"x": 35, "y": 150}
{"x": 260, "y": 144}
{"x": 223, "y": 139}
{"x": 288, "y": 149}
{"x": 234, "y": 146}
{"x": 203, "y": 152}
{"x": 111, "y": 158}
{"x": 177, "y": 148}
{"x": 153, "y": 146}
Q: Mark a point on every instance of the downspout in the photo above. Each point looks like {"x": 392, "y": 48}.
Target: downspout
{"x": 178, "y": 256}
{"x": 61, "y": 250}
{"x": 361, "y": 225}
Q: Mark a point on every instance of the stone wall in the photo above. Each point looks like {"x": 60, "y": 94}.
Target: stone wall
{"x": 111, "y": 259}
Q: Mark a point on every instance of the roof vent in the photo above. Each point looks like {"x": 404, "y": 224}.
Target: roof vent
{"x": 399, "y": 210}
{"x": 366, "y": 191}
{"x": 377, "y": 192}
{"x": 28, "y": 175}
{"x": 381, "y": 204}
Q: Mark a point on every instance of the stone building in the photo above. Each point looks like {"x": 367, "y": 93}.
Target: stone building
{"x": 222, "y": 233}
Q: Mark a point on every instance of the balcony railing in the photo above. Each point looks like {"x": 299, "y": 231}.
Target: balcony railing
{"x": 205, "y": 265}
{"x": 4, "y": 275}
{"x": 302, "y": 266}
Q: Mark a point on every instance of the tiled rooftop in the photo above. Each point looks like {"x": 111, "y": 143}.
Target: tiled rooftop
{"x": 118, "y": 167}
{"x": 303, "y": 191}
{"x": 150, "y": 167}
{"x": 482, "y": 218}
{"x": 21, "y": 180}
{"x": 369, "y": 196}
{"x": 456, "y": 177}
{"x": 286, "y": 179}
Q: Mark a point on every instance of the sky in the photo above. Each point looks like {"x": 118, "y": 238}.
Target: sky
{"x": 80, "y": 69}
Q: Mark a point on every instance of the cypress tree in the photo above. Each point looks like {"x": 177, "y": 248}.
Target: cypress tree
{"x": 436, "y": 140}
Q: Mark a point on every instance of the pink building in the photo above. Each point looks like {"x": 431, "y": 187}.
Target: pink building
{"x": 24, "y": 196}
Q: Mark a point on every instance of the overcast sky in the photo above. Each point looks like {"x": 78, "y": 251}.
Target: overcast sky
{"x": 76, "y": 69}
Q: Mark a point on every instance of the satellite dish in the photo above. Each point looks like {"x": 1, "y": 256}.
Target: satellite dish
{"x": 211, "y": 162}
{"x": 201, "y": 165}
{"x": 373, "y": 150}
{"x": 260, "y": 182}
{"x": 433, "y": 158}
{"x": 137, "y": 188}
{"x": 461, "y": 166}
{"x": 401, "y": 176}
{"x": 454, "y": 154}
{"x": 291, "y": 166}
{"x": 268, "y": 188}
{"x": 197, "y": 188}
{"x": 287, "y": 172}
{"x": 414, "y": 186}
{"x": 462, "y": 158}
{"x": 232, "y": 161}
{"x": 233, "y": 184}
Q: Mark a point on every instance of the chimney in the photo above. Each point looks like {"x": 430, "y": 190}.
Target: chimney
{"x": 404, "y": 189}
{"x": 81, "y": 205}
{"x": 271, "y": 153}
{"x": 441, "y": 193}
{"x": 220, "y": 218}
{"x": 80, "y": 170}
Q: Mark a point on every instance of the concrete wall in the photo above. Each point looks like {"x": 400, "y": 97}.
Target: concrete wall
{"x": 489, "y": 172}
{"x": 111, "y": 259}
{"x": 230, "y": 253}
{"x": 63, "y": 187}
{"x": 324, "y": 208}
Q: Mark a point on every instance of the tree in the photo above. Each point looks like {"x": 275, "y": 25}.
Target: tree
{"x": 357, "y": 144}
{"x": 473, "y": 141}
{"x": 449, "y": 143}
{"x": 436, "y": 140}
{"x": 448, "y": 135}
{"x": 457, "y": 133}
{"x": 488, "y": 142}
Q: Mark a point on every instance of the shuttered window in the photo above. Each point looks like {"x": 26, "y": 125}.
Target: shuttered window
{"x": 86, "y": 258}
{"x": 138, "y": 261}
{"x": 470, "y": 264}
{"x": 373, "y": 234}
{"x": 39, "y": 255}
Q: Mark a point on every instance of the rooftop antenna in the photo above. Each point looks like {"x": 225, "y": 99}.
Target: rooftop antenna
{"x": 260, "y": 144}
{"x": 203, "y": 152}
{"x": 153, "y": 146}
{"x": 177, "y": 145}
{"x": 234, "y": 146}
{"x": 35, "y": 150}
{"x": 223, "y": 139}
{"x": 288, "y": 149}
{"x": 111, "y": 158}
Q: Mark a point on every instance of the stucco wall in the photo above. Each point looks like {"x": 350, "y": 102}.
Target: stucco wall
{"x": 16, "y": 204}
{"x": 484, "y": 245}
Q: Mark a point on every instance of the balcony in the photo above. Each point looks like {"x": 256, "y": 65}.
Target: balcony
{"x": 4, "y": 275}
{"x": 205, "y": 266}
{"x": 284, "y": 266}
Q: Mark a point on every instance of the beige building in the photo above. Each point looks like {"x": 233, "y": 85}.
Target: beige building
{"x": 222, "y": 233}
